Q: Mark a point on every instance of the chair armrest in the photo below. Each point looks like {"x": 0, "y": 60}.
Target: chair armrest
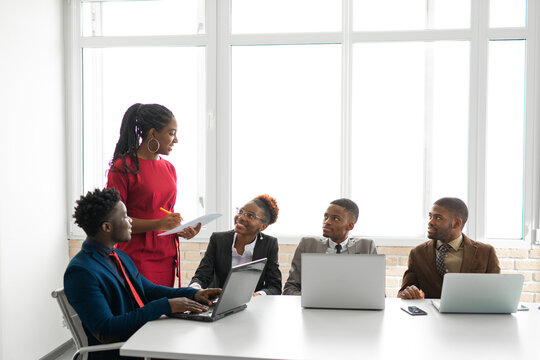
{"x": 94, "y": 348}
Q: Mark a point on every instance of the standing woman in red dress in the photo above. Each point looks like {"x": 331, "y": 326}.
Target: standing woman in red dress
{"x": 147, "y": 182}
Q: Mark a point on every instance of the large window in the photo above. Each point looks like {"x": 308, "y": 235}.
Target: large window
{"x": 392, "y": 103}
{"x": 114, "y": 78}
{"x": 410, "y": 108}
{"x": 286, "y": 129}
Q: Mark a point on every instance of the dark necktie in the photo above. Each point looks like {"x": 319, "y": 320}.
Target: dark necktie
{"x": 114, "y": 255}
{"x": 440, "y": 260}
{"x": 338, "y": 249}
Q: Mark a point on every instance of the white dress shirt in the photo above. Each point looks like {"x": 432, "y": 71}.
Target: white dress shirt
{"x": 332, "y": 246}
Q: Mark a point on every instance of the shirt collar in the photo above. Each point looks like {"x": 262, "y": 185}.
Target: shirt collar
{"x": 332, "y": 244}
{"x": 455, "y": 244}
{"x": 99, "y": 247}
{"x": 249, "y": 246}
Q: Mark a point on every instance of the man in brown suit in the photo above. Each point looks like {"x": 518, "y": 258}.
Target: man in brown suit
{"x": 449, "y": 250}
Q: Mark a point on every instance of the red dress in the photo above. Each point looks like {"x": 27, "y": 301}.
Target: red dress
{"x": 143, "y": 194}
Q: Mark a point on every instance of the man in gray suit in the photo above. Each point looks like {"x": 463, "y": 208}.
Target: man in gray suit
{"x": 339, "y": 219}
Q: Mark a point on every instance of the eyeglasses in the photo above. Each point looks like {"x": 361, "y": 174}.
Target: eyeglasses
{"x": 249, "y": 215}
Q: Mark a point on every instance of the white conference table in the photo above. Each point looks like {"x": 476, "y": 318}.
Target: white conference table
{"x": 277, "y": 327}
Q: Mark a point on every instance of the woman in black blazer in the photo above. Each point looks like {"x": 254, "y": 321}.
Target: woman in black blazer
{"x": 243, "y": 244}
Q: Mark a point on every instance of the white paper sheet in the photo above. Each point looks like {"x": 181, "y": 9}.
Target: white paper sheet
{"x": 205, "y": 219}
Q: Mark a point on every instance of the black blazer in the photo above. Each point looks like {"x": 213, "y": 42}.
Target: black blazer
{"x": 217, "y": 260}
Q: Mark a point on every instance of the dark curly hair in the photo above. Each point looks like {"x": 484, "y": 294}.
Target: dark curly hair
{"x": 94, "y": 208}
{"x": 348, "y": 205}
{"x": 269, "y": 205}
{"x": 138, "y": 120}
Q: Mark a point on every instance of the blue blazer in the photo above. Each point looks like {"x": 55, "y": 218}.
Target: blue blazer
{"x": 105, "y": 305}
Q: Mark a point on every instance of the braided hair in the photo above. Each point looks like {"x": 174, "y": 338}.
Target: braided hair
{"x": 138, "y": 120}
{"x": 269, "y": 206}
{"x": 94, "y": 208}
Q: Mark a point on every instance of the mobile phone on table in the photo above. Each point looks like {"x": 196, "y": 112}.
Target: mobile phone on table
{"x": 413, "y": 310}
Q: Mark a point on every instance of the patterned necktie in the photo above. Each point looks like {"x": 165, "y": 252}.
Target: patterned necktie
{"x": 114, "y": 255}
{"x": 440, "y": 260}
{"x": 338, "y": 249}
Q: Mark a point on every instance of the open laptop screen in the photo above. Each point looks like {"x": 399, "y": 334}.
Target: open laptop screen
{"x": 237, "y": 291}
{"x": 360, "y": 276}
{"x": 240, "y": 285}
{"x": 480, "y": 293}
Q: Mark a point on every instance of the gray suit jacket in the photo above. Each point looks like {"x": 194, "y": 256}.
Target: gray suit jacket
{"x": 293, "y": 286}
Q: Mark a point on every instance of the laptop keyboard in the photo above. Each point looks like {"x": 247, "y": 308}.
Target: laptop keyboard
{"x": 204, "y": 313}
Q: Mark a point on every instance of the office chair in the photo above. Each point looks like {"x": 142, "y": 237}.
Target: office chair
{"x": 75, "y": 326}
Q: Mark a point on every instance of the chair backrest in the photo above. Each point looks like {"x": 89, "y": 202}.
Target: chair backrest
{"x": 71, "y": 318}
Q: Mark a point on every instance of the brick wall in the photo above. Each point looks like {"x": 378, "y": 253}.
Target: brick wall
{"x": 521, "y": 261}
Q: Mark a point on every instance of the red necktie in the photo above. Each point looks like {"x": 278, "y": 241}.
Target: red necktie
{"x": 119, "y": 263}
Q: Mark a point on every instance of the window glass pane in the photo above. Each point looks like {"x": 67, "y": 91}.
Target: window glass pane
{"x": 505, "y": 142}
{"x": 116, "y": 78}
{"x": 388, "y": 138}
{"x": 380, "y": 15}
{"x": 451, "y": 14}
{"x": 286, "y": 131}
{"x": 371, "y": 15}
{"x": 507, "y": 13}
{"x": 278, "y": 16}
{"x": 139, "y": 18}
{"x": 407, "y": 96}
{"x": 449, "y": 136}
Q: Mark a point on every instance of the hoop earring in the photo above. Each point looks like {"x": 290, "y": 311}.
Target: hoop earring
{"x": 148, "y": 145}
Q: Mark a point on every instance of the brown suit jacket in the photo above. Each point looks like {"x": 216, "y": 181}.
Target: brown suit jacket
{"x": 477, "y": 258}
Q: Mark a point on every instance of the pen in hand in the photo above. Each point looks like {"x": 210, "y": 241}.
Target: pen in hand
{"x": 168, "y": 213}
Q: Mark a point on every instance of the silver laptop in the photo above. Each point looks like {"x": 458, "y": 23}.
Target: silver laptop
{"x": 480, "y": 293}
{"x": 359, "y": 278}
{"x": 237, "y": 292}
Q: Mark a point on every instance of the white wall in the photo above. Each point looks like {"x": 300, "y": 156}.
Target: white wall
{"x": 33, "y": 245}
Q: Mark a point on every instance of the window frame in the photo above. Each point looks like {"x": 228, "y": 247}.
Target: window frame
{"x": 75, "y": 43}
{"x": 218, "y": 41}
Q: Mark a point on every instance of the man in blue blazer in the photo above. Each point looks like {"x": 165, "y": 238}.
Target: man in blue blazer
{"x": 111, "y": 306}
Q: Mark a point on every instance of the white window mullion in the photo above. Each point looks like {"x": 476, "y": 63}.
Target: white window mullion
{"x": 144, "y": 41}
{"x": 207, "y": 176}
{"x": 223, "y": 113}
{"x": 531, "y": 194}
{"x": 74, "y": 142}
{"x": 428, "y": 119}
{"x": 286, "y": 38}
{"x": 411, "y": 35}
{"x": 428, "y": 131}
{"x": 100, "y": 166}
{"x": 346, "y": 103}
{"x": 477, "y": 123}
{"x": 508, "y": 33}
